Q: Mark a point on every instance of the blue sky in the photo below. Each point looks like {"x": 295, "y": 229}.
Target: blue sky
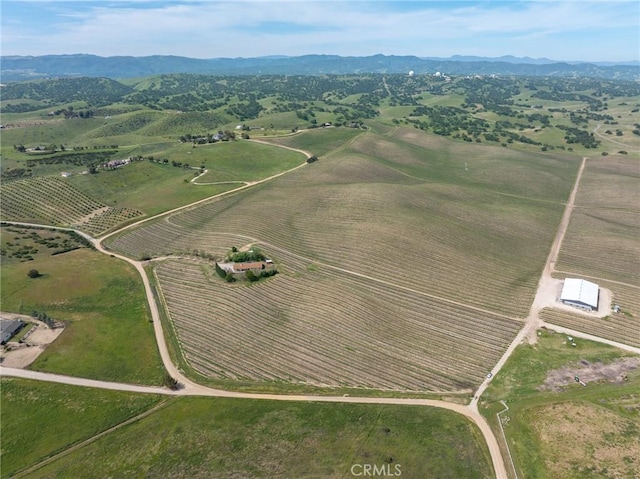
{"x": 604, "y": 30}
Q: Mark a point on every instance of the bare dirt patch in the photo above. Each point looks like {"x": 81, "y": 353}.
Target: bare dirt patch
{"x": 21, "y": 354}
{"x": 548, "y": 296}
{"x": 615, "y": 372}
{"x": 582, "y": 440}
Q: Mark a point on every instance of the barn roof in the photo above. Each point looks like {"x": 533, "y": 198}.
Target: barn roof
{"x": 248, "y": 265}
{"x": 9, "y": 326}
{"x": 581, "y": 291}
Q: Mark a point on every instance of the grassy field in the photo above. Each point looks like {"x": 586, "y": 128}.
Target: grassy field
{"x": 320, "y": 141}
{"x": 108, "y": 335}
{"x": 249, "y": 438}
{"x": 558, "y": 428}
{"x": 236, "y": 161}
{"x": 137, "y": 185}
{"x": 41, "y": 419}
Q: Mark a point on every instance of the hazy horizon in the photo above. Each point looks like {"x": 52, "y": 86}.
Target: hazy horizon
{"x": 592, "y": 31}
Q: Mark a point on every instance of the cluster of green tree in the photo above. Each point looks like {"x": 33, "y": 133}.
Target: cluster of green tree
{"x": 285, "y": 106}
{"x": 196, "y": 92}
{"x": 40, "y": 315}
{"x": 20, "y": 107}
{"x": 58, "y": 243}
{"x": 8, "y": 173}
{"x": 449, "y": 120}
{"x": 78, "y": 238}
{"x": 93, "y": 91}
{"x": 88, "y": 159}
{"x": 222, "y": 273}
{"x": 355, "y": 112}
{"x": 251, "y": 276}
{"x": 18, "y": 251}
{"x": 70, "y": 112}
{"x": 561, "y": 96}
{"x": 204, "y": 138}
{"x": 245, "y": 111}
{"x": 492, "y": 94}
{"x": 576, "y": 135}
{"x": 245, "y": 256}
{"x": 544, "y": 120}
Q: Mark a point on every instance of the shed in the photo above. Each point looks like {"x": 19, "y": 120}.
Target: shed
{"x": 580, "y": 293}
{"x": 8, "y": 328}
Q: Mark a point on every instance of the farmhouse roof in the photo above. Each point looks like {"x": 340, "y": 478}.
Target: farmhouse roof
{"x": 581, "y": 291}
{"x": 9, "y": 326}
{"x": 248, "y": 265}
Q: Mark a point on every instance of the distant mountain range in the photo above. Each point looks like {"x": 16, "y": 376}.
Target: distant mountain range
{"x": 18, "y": 68}
{"x": 527, "y": 60}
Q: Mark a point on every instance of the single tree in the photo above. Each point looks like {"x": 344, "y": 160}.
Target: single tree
{"x": 33, "y": 273}
{"x": 171, "y": 382}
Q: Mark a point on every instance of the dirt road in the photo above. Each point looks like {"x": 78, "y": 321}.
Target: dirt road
{"x": 545, "y": 284}
{"x": 596, "y": 130}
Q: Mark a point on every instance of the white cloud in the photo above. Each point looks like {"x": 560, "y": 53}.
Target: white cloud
{"x": 210, "y": 29}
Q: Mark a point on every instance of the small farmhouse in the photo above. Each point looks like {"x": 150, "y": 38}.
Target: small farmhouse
{"x": 580, "y": 293}
{"x": 8, "y": 328}
{"x": 255, "y": 266}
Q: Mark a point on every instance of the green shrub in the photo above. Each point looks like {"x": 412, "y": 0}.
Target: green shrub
{"x": 222, "y": 273}
{"x": 251, "y": 276}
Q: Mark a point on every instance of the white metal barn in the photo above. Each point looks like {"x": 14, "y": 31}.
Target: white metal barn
{"x": 580, "y": 293}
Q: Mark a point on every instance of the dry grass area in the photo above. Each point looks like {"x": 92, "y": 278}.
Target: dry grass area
{"x": 580, "y": 440}
{"x": 610, "y": 182}
{"x": 603, "y": 243}
{"x": 317, "y": 326}
{"x": 432, "y": 158}
{"x": 603, "y": 238}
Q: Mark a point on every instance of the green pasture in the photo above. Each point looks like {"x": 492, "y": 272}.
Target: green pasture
{"x": 172, "y": 124}
{"x": 138, "y": 184}
{"x": 211, "y": 437}
{"x": 320, "y": 141}
{"x": 101, "y": 299}
{"x": 530, "y": 408}
{"x": 53, "y": 130}
{"x": 40, "y": 419}
{"x": 235, "y": 160}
